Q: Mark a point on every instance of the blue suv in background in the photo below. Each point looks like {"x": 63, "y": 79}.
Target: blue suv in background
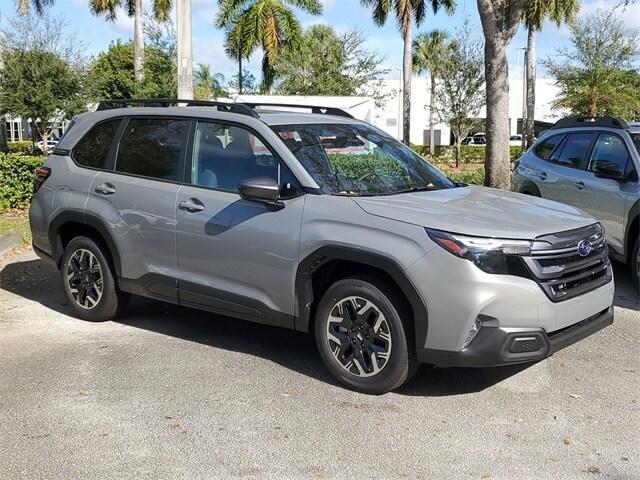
{"x": 592, "y": 164}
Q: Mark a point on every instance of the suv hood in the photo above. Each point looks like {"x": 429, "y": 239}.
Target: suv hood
{"x": 480, "y": 211}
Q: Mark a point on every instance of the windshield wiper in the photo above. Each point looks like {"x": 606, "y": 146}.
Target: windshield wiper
{"x": 425, "y": 188}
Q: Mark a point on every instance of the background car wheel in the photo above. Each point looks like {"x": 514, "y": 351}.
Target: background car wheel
{"x": 635, "y": 265}
{"x": 361, "y": 337}
{"x": 88, "y": 281}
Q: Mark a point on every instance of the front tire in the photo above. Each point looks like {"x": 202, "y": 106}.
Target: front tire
{"x": 89, "y": 282}
{"x": 361, "y": 337}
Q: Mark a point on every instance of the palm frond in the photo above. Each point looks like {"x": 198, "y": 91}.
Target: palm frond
{"x": 162, "y": 9}
{"x": 108, "y": 8}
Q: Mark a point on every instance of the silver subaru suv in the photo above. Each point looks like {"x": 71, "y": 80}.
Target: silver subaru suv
{"x": 306, "y": 218}
{"x": 592, "y": 164}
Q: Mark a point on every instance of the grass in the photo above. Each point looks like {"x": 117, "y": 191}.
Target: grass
{"x": 16, "y": 221}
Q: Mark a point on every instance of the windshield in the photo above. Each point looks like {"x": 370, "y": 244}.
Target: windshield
{"x": 636, "y": 140}
{"x": 359, "y": 160}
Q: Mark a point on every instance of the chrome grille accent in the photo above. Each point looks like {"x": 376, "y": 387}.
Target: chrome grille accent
{"x": 561, "y": 271}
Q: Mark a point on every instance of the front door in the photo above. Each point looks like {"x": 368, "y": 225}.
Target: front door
{"x": 236, "y": 257}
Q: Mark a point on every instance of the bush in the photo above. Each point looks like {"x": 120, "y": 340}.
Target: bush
{"x": 469, "y": 153}
{"x": 16, "y": 179}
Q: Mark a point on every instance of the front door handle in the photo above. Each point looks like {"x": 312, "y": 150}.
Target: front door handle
{"x": 579, "y": 185}
{"x": 105, "y": 189}
{"x": 192, "y": 205}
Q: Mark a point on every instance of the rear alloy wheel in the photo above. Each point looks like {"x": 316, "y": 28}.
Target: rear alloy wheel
{"x": 88, "y": 280}
{"x": 361, "y": 337}
{"x": 635, "y": 265}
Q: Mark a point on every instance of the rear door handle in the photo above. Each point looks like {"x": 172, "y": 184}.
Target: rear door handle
{"x": 105, "y": 189}
{"x": 192, "y": 205}
{"x": 542, "y": 175}
{"x": 579, "y": 185}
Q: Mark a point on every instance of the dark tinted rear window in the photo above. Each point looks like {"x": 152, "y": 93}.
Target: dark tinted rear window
{"x": 546, "y": 148}
{"x": 92, "y": 150}
{"x": 575, "y": 150}
{"x": 152, "y": 147}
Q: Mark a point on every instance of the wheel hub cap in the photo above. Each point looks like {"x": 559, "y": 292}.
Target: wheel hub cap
{"x": 359, "y": 336}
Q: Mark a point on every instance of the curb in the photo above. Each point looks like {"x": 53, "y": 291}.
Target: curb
{"x": 9, "y": 242}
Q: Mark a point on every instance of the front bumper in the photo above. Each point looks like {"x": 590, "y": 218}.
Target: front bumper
{"x": 497, "y": 346}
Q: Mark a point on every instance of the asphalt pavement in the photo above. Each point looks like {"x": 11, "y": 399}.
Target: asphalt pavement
{"x": 169, "y": 392}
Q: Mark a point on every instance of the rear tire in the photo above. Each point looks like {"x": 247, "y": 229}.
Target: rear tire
{"x": 361, "y": 336}
{"x": 88, "y": 280}
{"x": 635, "y": 265}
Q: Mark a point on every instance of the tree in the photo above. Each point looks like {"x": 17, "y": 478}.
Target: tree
{"x": 133, "y": 8}
{"x": 41, "y": 86}
{"x": 407, "y": 12}
{"x": 500, "y": 20}
{"x": 326, "y": 63}
{"x": 597, "y": 76}
{"x": 248, "y": 80}
{"x": 270, "y": 24}
{"x": 534, "y": 16}
{"x": 208, "y": 85}
{"x": 461, "y": 87}
{"x": 111, "y": 74}
{"x": 428, "y": 51}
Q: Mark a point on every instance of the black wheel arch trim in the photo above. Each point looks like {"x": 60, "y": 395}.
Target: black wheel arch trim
{"x": 312, "y": 262}
{"x": 633, "y": 220}
{"x": 529, "y": 186}
{"x": 81, "y": 218}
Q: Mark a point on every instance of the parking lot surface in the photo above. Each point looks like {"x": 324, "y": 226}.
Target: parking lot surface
{"x": 168, "y": 392}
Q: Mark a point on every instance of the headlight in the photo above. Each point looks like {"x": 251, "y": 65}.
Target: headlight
{"x": 489, "y": 254}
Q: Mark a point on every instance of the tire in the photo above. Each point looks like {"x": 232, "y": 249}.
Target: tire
{"x": 349, "y": 313}
{"x": 84, "y": 263}
{"x": 635, "y": 265}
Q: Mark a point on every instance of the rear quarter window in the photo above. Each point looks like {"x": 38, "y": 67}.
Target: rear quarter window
{"x": 545, "y": 148}
{"x": 93, "y": 149}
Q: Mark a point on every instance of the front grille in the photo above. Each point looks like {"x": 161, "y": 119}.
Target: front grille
{"x": 562, "y": 271}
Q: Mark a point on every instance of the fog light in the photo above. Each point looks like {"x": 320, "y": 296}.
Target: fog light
{"x": 475, "y": 328}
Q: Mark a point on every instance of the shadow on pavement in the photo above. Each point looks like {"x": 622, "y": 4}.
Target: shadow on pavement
{"x": 37, "y": 281}
{"x": 626, "y": 295}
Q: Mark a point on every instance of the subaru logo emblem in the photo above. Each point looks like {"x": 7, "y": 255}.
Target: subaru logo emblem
{"x": 585, "y": 248}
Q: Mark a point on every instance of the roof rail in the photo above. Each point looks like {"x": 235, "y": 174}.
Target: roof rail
{"x": 338, "y": 112}
{"x": 610, "y": 122}
{"x": 171, "y": 102}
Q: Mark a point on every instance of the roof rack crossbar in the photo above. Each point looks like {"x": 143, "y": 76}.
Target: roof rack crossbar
{"x": 572, "y": 122}
{"x": 338, "y": 112}
{"x": 239, "y": 108}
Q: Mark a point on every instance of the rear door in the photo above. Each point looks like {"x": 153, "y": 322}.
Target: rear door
{"x": 237, "y": 257}
{"x": 138, "y": 201}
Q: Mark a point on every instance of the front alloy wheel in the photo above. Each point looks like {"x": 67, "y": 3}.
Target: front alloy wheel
{"x": 359, "y": 336}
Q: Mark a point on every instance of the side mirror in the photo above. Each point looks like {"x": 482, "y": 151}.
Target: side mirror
{"x": 261, "y": 189}
{"x": 608, "y": 170}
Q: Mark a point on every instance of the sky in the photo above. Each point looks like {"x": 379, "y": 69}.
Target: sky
{"x": 97, "y": 33}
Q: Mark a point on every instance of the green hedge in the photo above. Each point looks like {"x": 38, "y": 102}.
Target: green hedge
{"x": 25, "y": 147}
{"x": 469, "y": 153}
{"x": 16, "y": 179}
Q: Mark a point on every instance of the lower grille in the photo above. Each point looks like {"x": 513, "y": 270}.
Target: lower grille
{"x": 569, "y": 264}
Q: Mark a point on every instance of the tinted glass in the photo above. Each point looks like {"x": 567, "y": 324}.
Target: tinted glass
{"x": 152, "y": 147}
{"x": 93, "y": 149}
{"x": 546, "y": 148}
{"x": 224, "y": 156}
{"x": 609, "y": 153}
{"x": 359, "y": 160}
{"x": 574, "y": 151}
{"x": 636, "y": 140}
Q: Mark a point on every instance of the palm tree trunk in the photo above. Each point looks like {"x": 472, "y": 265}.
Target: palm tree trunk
{"x": 407, "y": 67}
{"x": 138, "y": 44}
{"x": 529, "y": 130}
{"x": 432, "y": 101}
{"x": 497, "y": 163}
{"x": 239, "y": 73}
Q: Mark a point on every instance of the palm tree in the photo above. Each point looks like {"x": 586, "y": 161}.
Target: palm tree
{"x": 208, "y": 85}
{"x": 428, "y": 52}
{"x": 270, "y": 24}
{"x": 407, "y": 13}
{"x": 24, "y": 8}
{"x": 108, "y": 8}
{"x": 533, "y": 17}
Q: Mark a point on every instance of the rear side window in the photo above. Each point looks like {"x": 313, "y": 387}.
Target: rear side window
{"x": 92, "y": 150}
{"x": 609, "y": 152}
{"x": 546, "y": 148}
{"x": 575, "y": 150}
{"x": 152, "y": 147}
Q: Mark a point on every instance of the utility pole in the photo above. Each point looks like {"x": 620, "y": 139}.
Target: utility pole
{"x": 185, "y": 53}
